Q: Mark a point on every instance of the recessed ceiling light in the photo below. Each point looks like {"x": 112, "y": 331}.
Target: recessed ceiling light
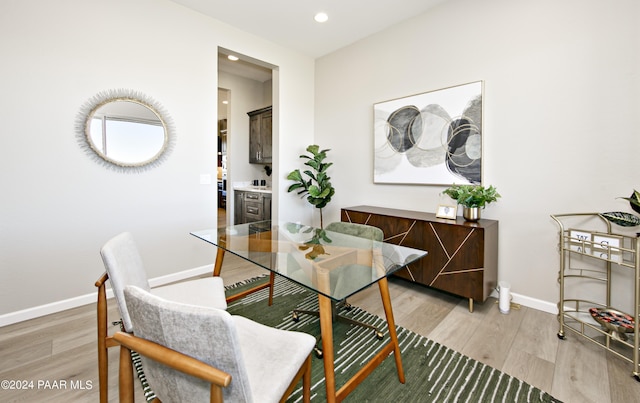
{"x": 321, "y": 17}
{"x": 225, "y": 102}
{"x": 232, "y": 58}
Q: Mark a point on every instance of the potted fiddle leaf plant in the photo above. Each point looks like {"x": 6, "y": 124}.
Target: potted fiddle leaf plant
{"x": 472, "y": 198}
{"x": 313, "y": 183}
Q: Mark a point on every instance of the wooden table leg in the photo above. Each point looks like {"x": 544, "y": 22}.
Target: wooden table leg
{"x": 326, "y": 328}
{"x": 386, "y": 303}
{"x": 217, "y": 268}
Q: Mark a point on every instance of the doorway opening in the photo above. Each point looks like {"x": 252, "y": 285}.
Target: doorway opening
{"x": 223, "y": 113}
{"x": 245, "y": 85}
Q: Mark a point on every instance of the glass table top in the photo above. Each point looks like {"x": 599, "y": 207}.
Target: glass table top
{"x": 331, "y": 263}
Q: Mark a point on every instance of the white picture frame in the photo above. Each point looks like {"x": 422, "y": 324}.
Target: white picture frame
{"x": 447, "y": 211}
{"x": 580, "y": 241}
{"x": 607, "y": 246}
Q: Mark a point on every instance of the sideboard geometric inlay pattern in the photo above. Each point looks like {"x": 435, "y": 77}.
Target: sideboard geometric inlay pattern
{"x": 462, "y": 256}
{"x": 449, "y": 257}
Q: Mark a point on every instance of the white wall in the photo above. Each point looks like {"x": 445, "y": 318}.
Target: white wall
{"x": 561, "y": 119}
{"x": 561, "y": 84}
{"x": 57, "y": 205}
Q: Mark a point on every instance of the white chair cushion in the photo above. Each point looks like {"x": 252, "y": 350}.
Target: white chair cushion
{"x": 271, "y": 355}
{"x": 207, "y": 292}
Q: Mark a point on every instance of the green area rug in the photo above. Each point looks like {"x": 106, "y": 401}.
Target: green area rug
{"x": 434, "y": 373}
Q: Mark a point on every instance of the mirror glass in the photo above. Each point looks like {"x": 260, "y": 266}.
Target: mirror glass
{"x": 125, "y": 130}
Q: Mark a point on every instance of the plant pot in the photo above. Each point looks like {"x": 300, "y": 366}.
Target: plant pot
{"x": 471, "y": 213}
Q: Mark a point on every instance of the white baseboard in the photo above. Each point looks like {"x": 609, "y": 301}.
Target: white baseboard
{"x": 533, "y": 303}
{"x": 59, "y": 306}
{"x": 47, "y": 309}
{"x": 171, "y": 278}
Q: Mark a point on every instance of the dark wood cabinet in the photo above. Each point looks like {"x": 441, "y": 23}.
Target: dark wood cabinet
{"x": 266, "y": 206}
{"x": 238, "y": 205}
{"x": 251, "y": 206}
{"x": 260, "y": 136}
{"x": 462, "y": 256}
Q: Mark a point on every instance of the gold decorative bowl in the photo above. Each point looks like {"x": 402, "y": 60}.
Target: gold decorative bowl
{"x": 613, "y": 322}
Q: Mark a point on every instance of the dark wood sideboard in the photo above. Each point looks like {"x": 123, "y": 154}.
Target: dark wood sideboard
{"x": 462, "y": 256}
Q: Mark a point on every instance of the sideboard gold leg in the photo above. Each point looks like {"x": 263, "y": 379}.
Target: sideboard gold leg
{"x": 471, "y": 305}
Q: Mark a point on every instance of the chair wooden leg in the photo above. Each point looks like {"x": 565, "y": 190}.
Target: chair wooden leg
{"x": 306, "y": 382}
{"x": 216, "y": 394}
{"x": 125, "y": 386}
{"x": 103, "y": 357}
{"x": 272, "y": 278}
{"x": 304, "y": 373}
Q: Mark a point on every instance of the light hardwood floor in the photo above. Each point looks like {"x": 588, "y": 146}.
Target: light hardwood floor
{"x": 62, "y": 347}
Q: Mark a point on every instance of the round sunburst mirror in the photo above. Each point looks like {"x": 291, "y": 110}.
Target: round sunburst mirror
{"x": 125, "y": 130}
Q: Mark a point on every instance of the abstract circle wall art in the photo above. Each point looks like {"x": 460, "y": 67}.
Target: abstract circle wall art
{"x": 433, "y": 138}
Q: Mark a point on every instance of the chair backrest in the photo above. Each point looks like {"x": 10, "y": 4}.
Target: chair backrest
{"x": 124, "y": 267}
{"x": 342, "y": 281}
{"x": 207, "y": 334}
{"x": 359, "y": 230}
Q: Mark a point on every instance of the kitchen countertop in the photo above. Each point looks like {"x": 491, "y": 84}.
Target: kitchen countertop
{"x": 259, "y": 189}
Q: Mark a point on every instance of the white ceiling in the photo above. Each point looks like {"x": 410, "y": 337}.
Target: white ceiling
{"x": 290, "y": 23}
{"x": 243, "y": 67}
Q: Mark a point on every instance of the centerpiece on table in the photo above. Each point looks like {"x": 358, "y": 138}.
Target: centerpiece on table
{"x": 472, "y": 198}
{"x": 316, "y": 186}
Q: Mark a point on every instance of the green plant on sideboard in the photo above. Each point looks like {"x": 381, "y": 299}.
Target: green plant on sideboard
{"x": 472, "y": 198}
{"x": 472, "y": 195}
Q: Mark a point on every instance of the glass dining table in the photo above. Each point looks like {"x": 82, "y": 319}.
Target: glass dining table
{"x": 333, "y": 265}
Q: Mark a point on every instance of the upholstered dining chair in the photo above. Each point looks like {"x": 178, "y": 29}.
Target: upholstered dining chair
{"x": 124, "y": 267}
{"x": 362, "y": 231}
{"x": 226, "y": 357}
